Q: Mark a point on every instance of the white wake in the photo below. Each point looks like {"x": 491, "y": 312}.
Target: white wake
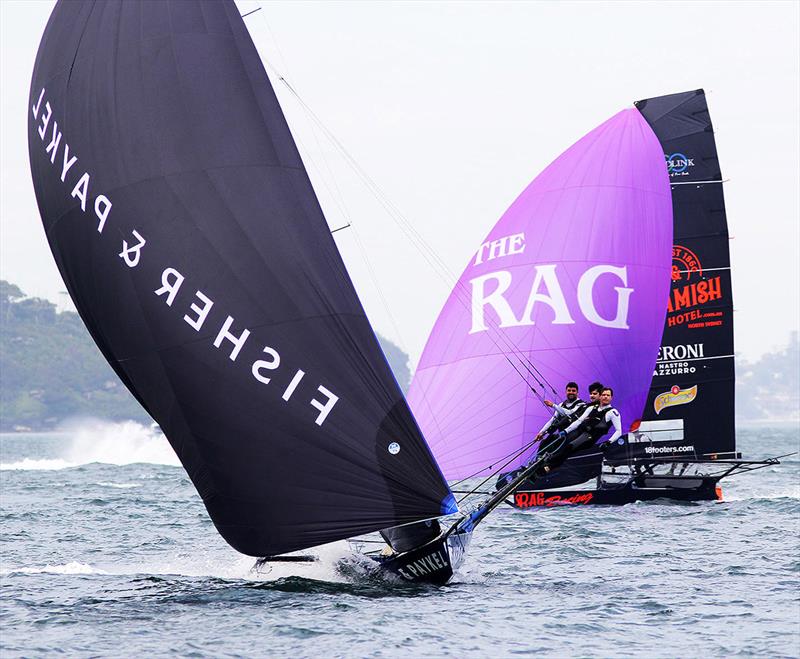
{"x": 226, "y": 565}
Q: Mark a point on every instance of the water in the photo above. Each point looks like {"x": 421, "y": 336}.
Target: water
{"x": 107, "y": 550}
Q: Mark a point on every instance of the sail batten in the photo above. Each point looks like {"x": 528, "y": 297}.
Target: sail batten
{"x": 189, "y": 236}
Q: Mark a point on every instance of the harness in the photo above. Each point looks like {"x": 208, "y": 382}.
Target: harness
{"x": 595, "y": 424}
{"x": 577, "y": 408}
{"x": 571, "y": 405}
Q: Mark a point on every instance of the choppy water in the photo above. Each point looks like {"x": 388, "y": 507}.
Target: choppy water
{"x": 107, "y": 550}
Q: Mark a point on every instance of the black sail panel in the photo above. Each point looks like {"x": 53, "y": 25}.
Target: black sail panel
{"x": 188, "y": 234}
{"x": 690, "y": 408}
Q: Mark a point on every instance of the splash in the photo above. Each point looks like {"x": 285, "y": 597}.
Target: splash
{"x": 122, "y": 443}
{"x": 92, "y": 440}
{"x": 334, "y": 564}
{"x": 27, "y": 464}
{"x": 72, "y": 567}
{"x": 215, "y": 564}
{"x": 228, "y": 564}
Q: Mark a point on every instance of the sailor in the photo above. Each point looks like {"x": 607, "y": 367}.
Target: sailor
{"x": 594, "y": 423}
{"x": 563, "y": 417}
{"x": 569, "y": 405}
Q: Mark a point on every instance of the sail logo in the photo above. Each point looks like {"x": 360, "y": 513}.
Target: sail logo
{"x": 669, "y": 449}
{"x": 489, "y": 291}
{"x": 685, "y": 264}
{"x": 536, "y": 499}
{"x": 675, "y": 396}
{"x": 423, "y": 566}
{"x": 505, "y": 246}
{"x": 695, "y": 295}
{"x": 262, "y": 370}
{"x": 690, "y": 289}
{"x": 678, "y": 164}
{"x": 82, "y": 187}
{"x": 680, "y": 353}
{"x": 675, "y": 360}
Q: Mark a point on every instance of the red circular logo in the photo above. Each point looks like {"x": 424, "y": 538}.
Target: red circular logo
{"x": 685, "y": 264}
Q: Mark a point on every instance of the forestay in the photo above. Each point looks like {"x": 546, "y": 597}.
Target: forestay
{"x": 189, "y": 237}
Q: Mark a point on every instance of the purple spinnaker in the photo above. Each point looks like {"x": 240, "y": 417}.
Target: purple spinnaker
{"x": 574, "y": 280}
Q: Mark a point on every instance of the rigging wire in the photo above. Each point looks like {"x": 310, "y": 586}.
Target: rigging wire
{"x": 459, "y": 291}
{"x": 509, "y": 458}
{"x": 426, "y": 251}
{"x": 557, "y": 439}
{"x": 333, "y": 189}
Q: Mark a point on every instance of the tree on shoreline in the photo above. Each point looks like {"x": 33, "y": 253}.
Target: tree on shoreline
{"x": 768, "y": 387}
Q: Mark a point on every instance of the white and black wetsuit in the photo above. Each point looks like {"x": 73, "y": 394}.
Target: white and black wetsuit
{"x": 562, "y": 414}
{"x": 594, "y": 423}
{"x": 597, "y": 422}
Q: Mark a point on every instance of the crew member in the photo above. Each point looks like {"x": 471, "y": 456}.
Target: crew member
{"x": 595, "y": 389}
{"x": 569, "y": 405}
{"x": 563, "y": 417}
{"x": 594, "y": 423}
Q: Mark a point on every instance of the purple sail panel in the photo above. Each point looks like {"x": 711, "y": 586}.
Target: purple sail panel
{"x": 575, "y": 277}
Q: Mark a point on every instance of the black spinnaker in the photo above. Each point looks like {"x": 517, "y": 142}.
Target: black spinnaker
{"x": 187, "y": 232}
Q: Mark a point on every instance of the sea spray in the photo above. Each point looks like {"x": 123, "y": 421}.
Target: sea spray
{"x": 121, "y": 443}
{"x": 96, "y": 441}
{"x": 73, "y": 567}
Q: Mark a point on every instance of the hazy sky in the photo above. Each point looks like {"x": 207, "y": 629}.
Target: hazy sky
{"x": 453, "y": 108}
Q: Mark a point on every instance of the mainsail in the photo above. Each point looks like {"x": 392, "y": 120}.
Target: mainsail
{"x": 690, "y": 407}
{"x": 570, "y": 284}
{"x": 188, "y": 234}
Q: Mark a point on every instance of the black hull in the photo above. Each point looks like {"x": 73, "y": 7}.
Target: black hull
{"x": 434, "y": 563}
{"x": 640, "y": 488}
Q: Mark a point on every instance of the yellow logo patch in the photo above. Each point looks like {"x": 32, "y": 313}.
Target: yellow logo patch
{"x": 675, "y": 396}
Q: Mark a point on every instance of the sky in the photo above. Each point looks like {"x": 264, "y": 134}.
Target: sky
{"x": 450, "y": 109}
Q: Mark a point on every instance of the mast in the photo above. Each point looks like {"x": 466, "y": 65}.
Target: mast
{"x": 690, "y": 405}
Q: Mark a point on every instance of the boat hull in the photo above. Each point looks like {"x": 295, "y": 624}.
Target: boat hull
{"x": 640, "y": 488}
{"x": 435, "y": 562}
